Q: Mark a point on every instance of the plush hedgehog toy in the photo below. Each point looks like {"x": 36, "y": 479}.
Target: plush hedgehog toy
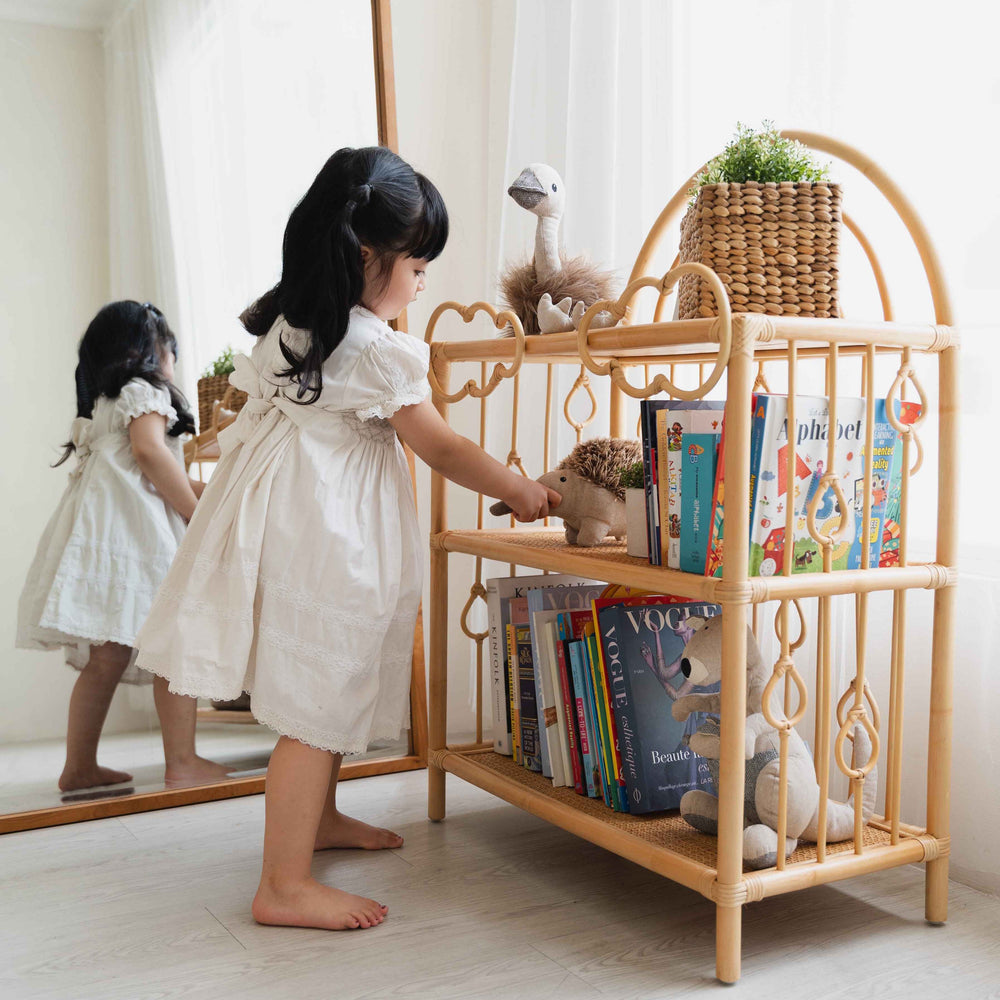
{"x": 589, "y": 481}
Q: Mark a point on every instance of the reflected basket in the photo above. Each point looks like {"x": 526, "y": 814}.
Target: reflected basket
{"x": 211, "y": 388}
{"x": 774, "y": 247}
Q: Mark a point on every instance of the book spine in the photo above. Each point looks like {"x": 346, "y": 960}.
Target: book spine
{"x": 548, "y": 714}
{"x": 611, "y": 666}
{"x": 583, "y": 717}
{"x": 678, "y": 425}
{"x": 569, "y": 713}
{"x": 611, "y": 751}
{"x": 713, "y": 560}
{"x": 515, "y": 702}
{"x": 663, "y": 461}
{"x": 647, "y": 477}
{"x": 529, "y": 704}
{"x": 499, "y": 683}
{"x": 697, "y": 480}
{"x": 541, "y": 703}
{"x": 598, "y": 737}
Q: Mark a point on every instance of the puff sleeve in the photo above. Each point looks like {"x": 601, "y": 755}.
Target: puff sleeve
{"x": 391, "y": 372}
{"x": 138, "y": 397}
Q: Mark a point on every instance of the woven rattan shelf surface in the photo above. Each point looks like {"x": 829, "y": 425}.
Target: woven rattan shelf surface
{"x": 664, "y": 830}
{"x": 547, "y": 549}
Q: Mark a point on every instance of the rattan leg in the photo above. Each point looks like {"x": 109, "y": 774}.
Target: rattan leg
{"x": 437, "y": 733}
{"x": 728, "y": 942}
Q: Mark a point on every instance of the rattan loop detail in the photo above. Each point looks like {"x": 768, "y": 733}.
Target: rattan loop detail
{"x": 582, "y": 381}
{"x": 501, "y": 319}
{"x": 722, "y": 331}
{"x": 828, "y": 482}
{"x": 477, "y": 592}
{"x": 792, "y": 646}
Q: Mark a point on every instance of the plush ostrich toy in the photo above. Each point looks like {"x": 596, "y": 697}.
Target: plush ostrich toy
{"x": 551, "y": 292}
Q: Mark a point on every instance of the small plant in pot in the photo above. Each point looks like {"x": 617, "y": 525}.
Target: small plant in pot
{"x": 766, "y": 219}
{"x": 635, "y": 510}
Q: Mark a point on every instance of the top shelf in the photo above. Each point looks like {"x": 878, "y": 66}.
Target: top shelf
{"x": 689, "y": 340}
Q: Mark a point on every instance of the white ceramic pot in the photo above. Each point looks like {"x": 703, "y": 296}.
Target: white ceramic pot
{"x": 635, "y": 523}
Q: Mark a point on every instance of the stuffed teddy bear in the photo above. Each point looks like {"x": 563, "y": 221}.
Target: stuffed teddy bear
{"x": 701, "y": 662}
{"x": 589, "y": 481}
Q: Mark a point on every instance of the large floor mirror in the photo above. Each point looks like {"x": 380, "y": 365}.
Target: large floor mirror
{"x": 153, "y": 151}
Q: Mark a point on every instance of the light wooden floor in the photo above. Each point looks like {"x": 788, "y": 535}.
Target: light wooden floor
{"x": 491, "y": 903}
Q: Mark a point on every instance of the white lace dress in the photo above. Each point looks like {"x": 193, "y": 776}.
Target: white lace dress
{"x": 109, "y": 543}
{"x": 299, "y": 577}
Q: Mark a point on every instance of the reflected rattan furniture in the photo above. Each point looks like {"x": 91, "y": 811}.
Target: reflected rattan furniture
{"x": 735, "y": 346}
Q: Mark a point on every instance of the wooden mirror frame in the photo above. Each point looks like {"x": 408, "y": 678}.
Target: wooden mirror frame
{"x": 416, "y": 757}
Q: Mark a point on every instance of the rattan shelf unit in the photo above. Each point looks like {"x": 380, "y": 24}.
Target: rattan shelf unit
{"x": 734, "y": 345}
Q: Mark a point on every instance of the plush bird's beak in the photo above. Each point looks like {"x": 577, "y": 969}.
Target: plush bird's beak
{"x": 527, "y": 190}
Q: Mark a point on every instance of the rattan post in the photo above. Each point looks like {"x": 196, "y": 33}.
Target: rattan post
{"x": 943, "y": 642}
{"x": 437, "y": 730}
{"x": 734, "y": 652}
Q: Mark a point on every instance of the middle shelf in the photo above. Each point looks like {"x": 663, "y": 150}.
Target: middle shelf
{"x": 547, "y": 549}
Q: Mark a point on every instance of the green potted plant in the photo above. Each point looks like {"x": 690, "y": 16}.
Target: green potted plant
{"x": 213, "y": 385}
{"x": 766, "y": 219}
{"x": 635, "y": 510}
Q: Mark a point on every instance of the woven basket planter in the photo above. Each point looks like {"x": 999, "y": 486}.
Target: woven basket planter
{"x": 774, "y": 247}
{"x": 210, "y": 389}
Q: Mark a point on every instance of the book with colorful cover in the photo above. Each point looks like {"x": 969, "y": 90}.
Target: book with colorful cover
{"x": 699, "y": 453}
{"x": 658, "y": 765}
{"x": 585, "y": 721}
{"x": 544, "y": 603}
{"x": 581, "y": 627}
{"x": 512, "y": 694}
{"x": 603, "y": 710}
{"x": 499, "y": 592}
{"x": 569, "y": 711}
{"x": 767, "y": 530}
{"x": 695, "y": 416}
{"x": 880, "y": 468}
{"x": 907, "y": 413}
{"x": 611, "y": 665}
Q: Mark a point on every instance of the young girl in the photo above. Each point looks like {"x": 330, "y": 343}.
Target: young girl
{"x": 299, "y": 578}
{"x": 113, "y": 536}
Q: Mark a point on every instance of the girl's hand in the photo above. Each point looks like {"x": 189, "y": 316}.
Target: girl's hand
{"x": 530, "y": 500}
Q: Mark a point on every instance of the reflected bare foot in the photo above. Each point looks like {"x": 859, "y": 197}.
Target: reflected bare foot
{"x": 90, "y": 777}
{"x": 312, "y": 904}
{"x": 194, "y": 771}
{"x": 339, "y": 830}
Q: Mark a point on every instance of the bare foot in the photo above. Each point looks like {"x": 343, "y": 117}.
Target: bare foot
{"x": 312, "y": 904}
{"x": 90, "y": 777}
{"x": 344, "y": 831}
{"x": 194, "y": 771}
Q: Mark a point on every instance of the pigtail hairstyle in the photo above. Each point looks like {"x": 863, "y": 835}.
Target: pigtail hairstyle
{"x": 126, "y": 340}
{"x": 367, "y": 197}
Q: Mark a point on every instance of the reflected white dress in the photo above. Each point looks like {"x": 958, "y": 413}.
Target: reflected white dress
{"x": 110, "y": 542}
{"x": 299, "y": 577}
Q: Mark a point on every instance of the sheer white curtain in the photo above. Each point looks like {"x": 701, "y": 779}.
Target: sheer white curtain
{"x": 220, "y": 114}
{"x": 626, "y": 99}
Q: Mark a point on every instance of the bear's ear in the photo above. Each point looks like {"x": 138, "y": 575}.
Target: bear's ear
{"x": 695, "y": 623}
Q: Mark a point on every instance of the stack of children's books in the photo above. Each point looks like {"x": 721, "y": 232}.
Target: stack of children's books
{"x": 583, "y": 678}
{"x": 684, "y": 476}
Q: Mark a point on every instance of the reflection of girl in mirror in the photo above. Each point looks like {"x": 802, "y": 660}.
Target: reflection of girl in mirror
{"x": 113, "y": 536}
{"x": 299, "y": 578}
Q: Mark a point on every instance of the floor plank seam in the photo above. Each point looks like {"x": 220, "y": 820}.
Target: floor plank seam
{"x": 226, "y": 929}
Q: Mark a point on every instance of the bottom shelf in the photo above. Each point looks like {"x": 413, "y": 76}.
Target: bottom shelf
{"x": 664, "y": 843}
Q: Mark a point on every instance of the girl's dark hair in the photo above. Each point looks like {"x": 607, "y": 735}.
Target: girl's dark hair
{"x": 369, "y": 197}
{"x": 126, "y": 340}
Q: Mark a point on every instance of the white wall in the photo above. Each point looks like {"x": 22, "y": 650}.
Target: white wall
{"x": 53, "y": 278}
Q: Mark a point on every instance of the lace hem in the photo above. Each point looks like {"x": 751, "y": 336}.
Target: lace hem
{"x": 320, "y": 739}
{"x": 201, "y": 688}
{"x": 386, "y": 405}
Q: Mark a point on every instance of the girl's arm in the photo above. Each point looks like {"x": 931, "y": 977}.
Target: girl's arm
{"x": 158, "y": 465}
{"x": 456, "y": 458}
{"x": 198, "y": 486}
